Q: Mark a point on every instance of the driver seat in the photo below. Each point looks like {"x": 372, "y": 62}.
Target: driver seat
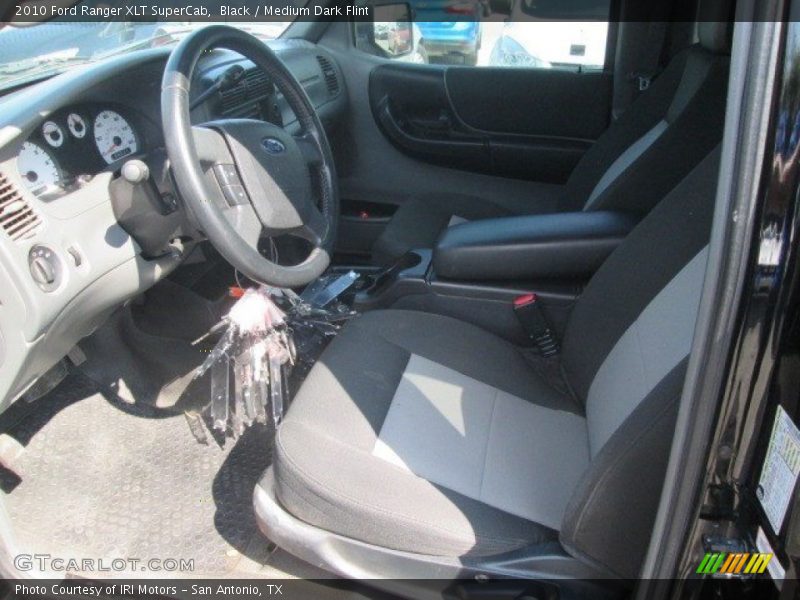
{"x": 423, "y": 446}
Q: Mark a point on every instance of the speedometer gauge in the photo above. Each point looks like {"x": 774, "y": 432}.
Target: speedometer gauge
{"x": 37, "y": 168}
{"x": 114, "y": 136}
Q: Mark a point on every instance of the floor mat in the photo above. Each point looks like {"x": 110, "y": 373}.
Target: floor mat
{"x": 102, "y": 479}
{"x": 110, "y": 468}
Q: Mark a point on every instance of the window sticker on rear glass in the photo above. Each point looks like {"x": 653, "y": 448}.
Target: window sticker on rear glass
{"x": 781, "y": 467}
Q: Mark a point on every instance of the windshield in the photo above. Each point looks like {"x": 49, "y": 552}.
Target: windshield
{"x": 31, "y": 51}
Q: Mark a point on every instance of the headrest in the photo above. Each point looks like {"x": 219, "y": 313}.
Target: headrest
{"x": 715, "y": 24}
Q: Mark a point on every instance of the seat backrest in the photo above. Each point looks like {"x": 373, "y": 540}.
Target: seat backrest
{"x": 624, "y": 354}
{"x": 664, "y": 134}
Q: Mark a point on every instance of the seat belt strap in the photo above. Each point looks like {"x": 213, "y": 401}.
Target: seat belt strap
{"x": 641, "y": 50}
{"x": 650, "y": 58}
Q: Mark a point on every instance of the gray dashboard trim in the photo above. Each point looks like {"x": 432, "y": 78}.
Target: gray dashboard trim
{"x": 39, "y": 328}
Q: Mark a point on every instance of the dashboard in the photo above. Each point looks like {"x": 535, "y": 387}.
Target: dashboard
{"x": 77, "y": 238}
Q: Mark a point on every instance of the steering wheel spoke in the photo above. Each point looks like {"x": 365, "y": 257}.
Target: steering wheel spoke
{"x": 309, "y": 148}
{"x": 245, "y": 221}
{"x": 314, "y": 230}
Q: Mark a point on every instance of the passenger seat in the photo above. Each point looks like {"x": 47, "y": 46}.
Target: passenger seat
{"x": 643, "y": 155}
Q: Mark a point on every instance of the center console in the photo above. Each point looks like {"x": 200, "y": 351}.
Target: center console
{"x": 478, "y": 269}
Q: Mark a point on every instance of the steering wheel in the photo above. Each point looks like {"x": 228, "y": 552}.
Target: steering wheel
{"x": 243, "y": 178}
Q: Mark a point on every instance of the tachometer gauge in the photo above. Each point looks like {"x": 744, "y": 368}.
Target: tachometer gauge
{"x": 37, "y": 168}
{"x": 114, "y": 136}
{"x": 77, "y": 126}
{"x": 53, "y": 134}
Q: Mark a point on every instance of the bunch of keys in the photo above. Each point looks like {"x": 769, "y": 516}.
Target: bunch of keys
{"x": 258, "y": 346}
{"x": 255, "y": 350}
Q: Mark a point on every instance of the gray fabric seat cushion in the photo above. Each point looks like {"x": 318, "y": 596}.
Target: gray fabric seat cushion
{"x": 418, "y": 432}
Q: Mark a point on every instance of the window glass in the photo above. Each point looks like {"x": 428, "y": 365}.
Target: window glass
{"x": 537, "y": 34}
{"x": 32, "y": 50}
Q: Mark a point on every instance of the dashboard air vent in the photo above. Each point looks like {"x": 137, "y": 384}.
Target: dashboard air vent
{"x": 257, "y": 83}
{"x": 253, "y": 87}
{"x": 331, "y": 80}
{"x": 17, "y": 217}
{"x": 233, "y": 97}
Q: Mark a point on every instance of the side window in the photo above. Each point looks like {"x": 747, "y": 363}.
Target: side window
{"x": 533, "y": 34}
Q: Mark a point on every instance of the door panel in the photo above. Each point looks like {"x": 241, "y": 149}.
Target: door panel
{"x": 375, "y": 171}
{"x": 521, "y": 123}
{"x": 539, "y": 102}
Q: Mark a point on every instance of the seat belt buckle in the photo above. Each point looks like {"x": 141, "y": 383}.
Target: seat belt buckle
{"x": 530, "y": 315}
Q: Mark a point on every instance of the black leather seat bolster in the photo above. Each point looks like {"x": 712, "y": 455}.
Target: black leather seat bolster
{"x": 554, "y": 246}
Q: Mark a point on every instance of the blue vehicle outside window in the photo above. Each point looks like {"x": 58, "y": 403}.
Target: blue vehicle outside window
{"x": 451, "y": 29}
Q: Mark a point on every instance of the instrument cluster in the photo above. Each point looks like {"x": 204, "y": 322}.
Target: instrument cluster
{"x": 75, "y": 144}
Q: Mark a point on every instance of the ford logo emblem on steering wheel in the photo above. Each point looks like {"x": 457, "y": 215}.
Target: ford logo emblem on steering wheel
{"x": 273, "y": 145}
